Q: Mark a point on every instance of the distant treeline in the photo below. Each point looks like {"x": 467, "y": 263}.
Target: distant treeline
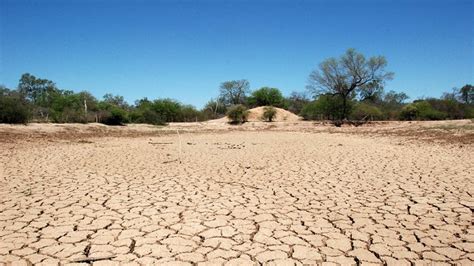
{"x": 348, "y": 88}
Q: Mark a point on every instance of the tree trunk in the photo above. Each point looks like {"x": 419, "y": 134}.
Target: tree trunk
{"x": 344, "y": 107}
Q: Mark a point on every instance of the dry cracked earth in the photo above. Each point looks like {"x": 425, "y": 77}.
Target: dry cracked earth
{"x": 239, "y": 198}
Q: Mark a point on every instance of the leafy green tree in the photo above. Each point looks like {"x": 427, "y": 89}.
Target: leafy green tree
{"x": 467, "y": 94}
{"x": 144, "y": 113}
{"x": 266, "y": 97}
{"x": 234, "y": 92}
{"x": 36, "y": 90}
{"x": 13, "y": 109}
{"x": 70, "y": 107}
{"x": 39, "y": 92}
{"x": 168, "y": 109}
{"x": 162, "y": 111}
{"x": 349, "y": 74}
{"x": 325, "y": 107}
{"x": 116, "y": 100}
{"x": 112, "y": 110}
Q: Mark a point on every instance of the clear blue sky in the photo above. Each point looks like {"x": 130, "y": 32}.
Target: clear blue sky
{"x": 185, "y": 49}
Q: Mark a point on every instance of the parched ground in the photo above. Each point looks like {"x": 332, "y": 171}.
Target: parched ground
{"x": 235, "y": 197}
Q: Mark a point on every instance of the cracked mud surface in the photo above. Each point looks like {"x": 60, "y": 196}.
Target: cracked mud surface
{"x": 240, "y": 198}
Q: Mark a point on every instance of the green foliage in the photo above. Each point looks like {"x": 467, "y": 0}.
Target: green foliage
{"x": 269, "y": 113}
{"x": 266, "y": 97}
{"x": 13, "y": 110}
{"x": 237, "y": 114}
{"x": 112, "y": 115}
{"x": 326, "y": 107}
{"x": 350, "y": 74}
{"x": 162, "y": 111}
{"x": 466, "y": 94}
{"x": 421, "y": 110}
{"x": 451, "y": 107}
{"x": 409, "y": 113}
{"x": 39, "y": 92}
{"x": 365, "y": 111}
{"x": 391, "y": 104}
{"x": 333, "y": 85}
{"x": 69, "y": 107}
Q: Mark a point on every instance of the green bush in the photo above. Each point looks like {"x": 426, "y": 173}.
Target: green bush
{"x": 269, "y": 113}
{"x": 266, "y": 96}
{"x": 13, "y": 110}
{"x": 325, "y": 107}
{"x": 114, "y": 116}
{"x": 146, "y": 116}
{"x": 409, "y": 113}
{"x": 237, "y": 114}
{"x": 366, "y": 111}
{"x": 421, "y": 110}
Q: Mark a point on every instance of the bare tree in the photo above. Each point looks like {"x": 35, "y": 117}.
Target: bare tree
{"x": 234, "y": 91}
{"x": 348, "y": 75}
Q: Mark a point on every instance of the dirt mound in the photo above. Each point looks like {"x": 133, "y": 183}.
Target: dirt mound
{"x": 257, "y": 112}
{"x": 281, "y": 115}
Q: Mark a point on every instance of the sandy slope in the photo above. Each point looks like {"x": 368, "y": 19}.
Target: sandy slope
{"x": 255, "y": 115}
{"x": 279, "y": 196}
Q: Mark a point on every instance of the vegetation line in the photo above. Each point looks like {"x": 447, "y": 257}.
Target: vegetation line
{"x": 350, "y": 87}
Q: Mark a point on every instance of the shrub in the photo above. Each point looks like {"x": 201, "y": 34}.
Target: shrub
{"x": 269, "y": 113}
{"x": 237, "y": 114}
{"x": 146, "y": 116}
{"x": 114, "y": 116}
{"x": 325, "y": 107}
{"x": 421, "y": 110}
{"x": 13, "y": 110}
{"x": 366, "y": 111}
{"x": 409, "y": 112}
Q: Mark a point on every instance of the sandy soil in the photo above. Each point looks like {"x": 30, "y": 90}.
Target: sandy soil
{"x": 256, "y": 114}
{"x": 273, "y": 194}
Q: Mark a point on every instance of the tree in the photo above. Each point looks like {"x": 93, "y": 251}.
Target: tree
{"x": 214, "y": 109}
{"x": 349, "y": 74}
{"x": 326, "y": 106}
{"x": 39, "y": 92}
{"x": 234, "y": 92}
{"x": 296, "y": 101}
{"x": 467, "y": 94}
{"x": 371, "y": 92}
{"x": 13, "y": 109}
{"x": 266, "y": 97}
{"x": 391, "y": 104}
{"x": 395, "y": 98}
{"x": 116, "y": 100}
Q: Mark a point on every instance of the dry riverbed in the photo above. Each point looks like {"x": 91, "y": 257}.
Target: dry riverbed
{"x": 276, "y": 194}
